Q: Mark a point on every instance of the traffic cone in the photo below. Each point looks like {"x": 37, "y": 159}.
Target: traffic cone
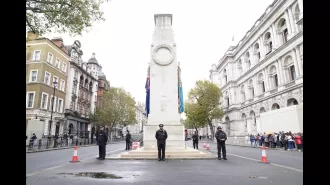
{"x": 263, "y": 156}
{"x": 208, "y": 147}
{"x": 204, "y": 146}
{"x": 75, "y": 155}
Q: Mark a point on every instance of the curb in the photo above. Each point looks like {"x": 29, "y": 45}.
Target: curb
{"x": 62, "y": 148}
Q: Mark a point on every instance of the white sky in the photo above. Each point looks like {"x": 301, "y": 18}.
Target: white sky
{"x": 203, "y": 32}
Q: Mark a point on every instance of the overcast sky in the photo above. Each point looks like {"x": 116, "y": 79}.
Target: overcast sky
{"x": 203, "y": 32}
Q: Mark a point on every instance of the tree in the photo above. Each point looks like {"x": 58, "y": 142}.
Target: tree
{"x": 117, "y": 107}
{"x": 203, "y": 105}
{"x": 72, "y": 16}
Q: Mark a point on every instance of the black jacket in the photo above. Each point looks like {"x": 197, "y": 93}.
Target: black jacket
{"x": 195, "y": 137}
{"x": 220, "y": 135}
{"x": 128, "y": 137}
{"x": 102, "y": 138}
{"x": 161, "y": 135}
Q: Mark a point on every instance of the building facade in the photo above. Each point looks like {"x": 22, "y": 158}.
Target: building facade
{"x": 81, "y": 96}
{"x": 46, "y": 82}
{"x": 264, "y": 71}
{"x": 141, "y": 119}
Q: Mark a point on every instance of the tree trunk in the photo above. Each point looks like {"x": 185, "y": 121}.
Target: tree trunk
{"x": 212, "y": 130}
{"x": 196, "y": 130}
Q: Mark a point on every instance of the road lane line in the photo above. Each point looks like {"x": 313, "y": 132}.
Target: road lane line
{"x": 59, "y": 166}
{"x": 274, "y": 164}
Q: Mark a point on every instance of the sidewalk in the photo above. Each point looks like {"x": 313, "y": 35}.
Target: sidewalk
{"x": 62, "y": 148}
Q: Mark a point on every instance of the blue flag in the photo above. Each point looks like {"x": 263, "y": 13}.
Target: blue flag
{"x": 180, "y": 94}
{"x": 147, "y": 87}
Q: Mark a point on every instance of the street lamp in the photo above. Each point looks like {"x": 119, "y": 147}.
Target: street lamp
{"x": 51, "y": 113}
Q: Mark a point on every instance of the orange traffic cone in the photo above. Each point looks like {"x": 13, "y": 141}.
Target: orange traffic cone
{"x": 263, "y": 156}
{"x": 75, "y": 155}
{"x": 204, "y": 146}
{"x": 208, "y": 147}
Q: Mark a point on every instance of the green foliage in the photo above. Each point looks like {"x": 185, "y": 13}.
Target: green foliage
{"x": 64, "y": 16}
{"x": 203, "y": 104}
{"x": 117, "y": 107}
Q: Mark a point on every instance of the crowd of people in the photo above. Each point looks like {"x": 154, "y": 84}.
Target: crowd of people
{"x": 286, "y": 140}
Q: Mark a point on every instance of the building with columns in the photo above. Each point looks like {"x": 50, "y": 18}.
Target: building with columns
{"x": 47, "y": 69}
{"x": 264, "y": 71}
{"x": 81, "y": 95}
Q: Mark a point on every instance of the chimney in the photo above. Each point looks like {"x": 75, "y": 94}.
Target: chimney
{"x": 32, "y": 35}
{"x": 59, "y": 42}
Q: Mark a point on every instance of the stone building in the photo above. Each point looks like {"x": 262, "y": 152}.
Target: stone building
{"x": 47, "y": 67}
{"x": 264, "y": 71}
{"x": 81, "y": 96}
{"x": 141, "y": 119}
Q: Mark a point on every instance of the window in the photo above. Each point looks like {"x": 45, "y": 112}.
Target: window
{"x": 55, "y": 79}
{"x": 62, "y": 85}
{"x": 64, "y": 67}
{"x": 47, "y": 78}
{"x": 252, "y": 92}
{"x": 30, "y": 99}
{"x": 52, "y": 99}
{"x": 44, "y": 100}
{"x": 57, "y": 63}
{"x": 59, "y": 105}
{"x": 33, "y": 75}
{"x": 285, "y": 35}
{"x": 263, "y": 86}
{"x": 270, "y": 46}
{"x": 36, "y": 55}
{"x": 292, "y": 73}
{"x": 50, "y": 58}
{"x": 275, "y": 80}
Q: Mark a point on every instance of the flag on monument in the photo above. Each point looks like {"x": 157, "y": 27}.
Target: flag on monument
{"x": 181, "y": 103}
{"x": 147, "y": 87}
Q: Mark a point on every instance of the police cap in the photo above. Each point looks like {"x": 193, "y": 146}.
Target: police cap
{"x": 219, "y": 127}
{"x": 161, "y": 125}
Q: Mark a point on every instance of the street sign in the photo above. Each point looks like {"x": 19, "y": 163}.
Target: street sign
{"x": 135, "y": 145}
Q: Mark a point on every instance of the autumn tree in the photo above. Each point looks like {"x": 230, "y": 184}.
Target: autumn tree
{"x": 65, "y": 16}
{"x": 117, "y": 107}
{"x": 203, "y": 105}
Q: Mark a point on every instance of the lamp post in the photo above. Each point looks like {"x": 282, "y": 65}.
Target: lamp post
{"x": 51, "y": 115}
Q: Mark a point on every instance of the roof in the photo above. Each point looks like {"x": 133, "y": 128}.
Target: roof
{"x": 93, "y": 60}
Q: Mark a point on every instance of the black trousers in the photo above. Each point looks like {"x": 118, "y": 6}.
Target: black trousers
{"x": 195, "y": 144}
{"x": 128, "y": 144}
{"x": 161, "y": 148}
{"x": 102, "y": 151}
{"x": 221, "y": 146}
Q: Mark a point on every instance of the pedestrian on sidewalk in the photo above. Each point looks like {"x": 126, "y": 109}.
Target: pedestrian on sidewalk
{"x": 32, "y": 139}
{"x": 290, "y": 142}
{"x": 221, "y": 139}
{"x": 195, "y": 140}
{"x": 252, "y": 140}
{"x": 102, "y": 140}
{"x": 128, "y": 140}
{"x": 297, "y": 139}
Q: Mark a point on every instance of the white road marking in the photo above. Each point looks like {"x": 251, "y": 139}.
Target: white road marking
{"x": 59, "y": 166}
{"x": 274, "y": 164}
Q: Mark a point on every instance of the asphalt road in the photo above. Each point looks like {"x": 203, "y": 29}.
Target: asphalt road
{"x": 39, "y": 161}
{"x": 242, "y": 167}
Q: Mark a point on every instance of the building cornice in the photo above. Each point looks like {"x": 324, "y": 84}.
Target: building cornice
{"x": 45, "y": 62}
{"x": 59, "y": 50}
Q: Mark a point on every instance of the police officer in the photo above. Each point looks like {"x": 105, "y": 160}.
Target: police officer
{"x": 221, "y": 139}
{"x": 195, "y": 140}
{"x": 128, "y": 140}
{"x": 161, "y": 136}
{"x": 102, "y": 139}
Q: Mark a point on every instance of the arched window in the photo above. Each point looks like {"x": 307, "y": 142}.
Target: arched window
{"x": 225, "y": 76}
{"x": 282, "y": 28}
{"x": 262, "y": 110}
{"x": 243, "y": 93}
{"x": 290, "y": 71}
{"x": 275, "y": 106}
{"x": 296, "y": 13}
{"x": 292, "y": 101}
{"x": 257, "y": 52}
{"x": 268, "y": 43}
{"x": 247, "y": 60}
{"x": 261, "y": 83}
{"x": 244, "y": 121}
{"x": 273, "y": 77}
{"x": 239, "y": 67}
{"x": 251, "y": 88}
{"x": 226, "y": 99}
{"x": 253, "y": 117}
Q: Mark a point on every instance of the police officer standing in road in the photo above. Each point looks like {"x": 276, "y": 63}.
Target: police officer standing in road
{"x": 221, "y": 139}
{"x": 128, "y": 140}
{"x": 102, "y": 139}
{"x": 161, "y": 136}
{"x": 195, "y": 140}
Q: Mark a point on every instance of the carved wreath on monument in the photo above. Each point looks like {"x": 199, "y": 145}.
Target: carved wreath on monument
{"x": 163, "y": 55}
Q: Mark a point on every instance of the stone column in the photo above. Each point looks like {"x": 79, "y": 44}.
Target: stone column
{"x": 295, "y": 62}
{"x": 299, "y": 62}
{"x": 288, "y": 24}
{"x": 274, "y": 36}
{"x": 285, "y": 72}
{"x": 292, "y": 21}
{"x": 300, "y": 4}
{"x": 266, "y": 80}
{"x": 279, "y": 72}
{"x": 255, "y": 85}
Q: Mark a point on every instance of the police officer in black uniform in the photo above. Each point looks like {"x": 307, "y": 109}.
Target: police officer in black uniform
{"x": 221, "y": 139}
{"x": 128, "y": 140}
{"x": 102, "y": 139}
{"x": 195, "y": 140}
{"x": 161, "y": 136}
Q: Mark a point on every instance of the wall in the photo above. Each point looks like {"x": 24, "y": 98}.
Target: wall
{"x": 34, "y": 126}
{"x": 285, "y": 119}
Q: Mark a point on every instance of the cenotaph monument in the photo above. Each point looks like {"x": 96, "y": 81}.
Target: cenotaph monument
{"x": 163, "y": 73}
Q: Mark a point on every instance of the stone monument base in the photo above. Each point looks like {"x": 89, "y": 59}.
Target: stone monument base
{"x": 175, "y": 140}
{"x": 143, "y": 154}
